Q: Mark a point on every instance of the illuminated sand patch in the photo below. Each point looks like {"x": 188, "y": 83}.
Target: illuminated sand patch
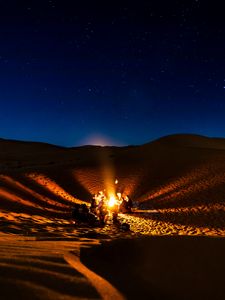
{"x": 197, "y": 187}
{"x": 89, "y": 179}
{"x": 175, "y": 185}
{"x": 14, "y": 198}
{"x": 18, "y": 185}
{"x": 199, "y": 208}
{"x": 129, "y": 185}
{"x": 36, "y": 225}
{"x": 146, "y": 223}
{"x": 53, "y": 187}
{"x": 20, "y": 203}
{"x": 204, "y": 184}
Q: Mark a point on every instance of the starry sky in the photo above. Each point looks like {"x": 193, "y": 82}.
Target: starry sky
{"x": 121, "y": 73}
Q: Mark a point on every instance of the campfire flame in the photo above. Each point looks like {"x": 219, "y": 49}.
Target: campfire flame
{"x": 112, "y": 201}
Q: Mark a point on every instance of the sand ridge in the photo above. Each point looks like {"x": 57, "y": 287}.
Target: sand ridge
{"x": 177, "y": 185}
{"x": 179, "y": 176}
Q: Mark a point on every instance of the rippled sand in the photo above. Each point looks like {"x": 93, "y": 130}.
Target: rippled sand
{"x": 177, "y": 185}
{"x": 33, "y": 269}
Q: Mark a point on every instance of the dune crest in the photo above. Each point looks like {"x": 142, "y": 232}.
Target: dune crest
{"x": 179, "y": 176}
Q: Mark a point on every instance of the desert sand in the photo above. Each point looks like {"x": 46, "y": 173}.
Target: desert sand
{"x": 177, "y": 184}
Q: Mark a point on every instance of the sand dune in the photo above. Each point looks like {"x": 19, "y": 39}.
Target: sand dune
{"x": 191, "y": 140}
{"x": 182, "y": 176}
{"x": 177, "y": 184}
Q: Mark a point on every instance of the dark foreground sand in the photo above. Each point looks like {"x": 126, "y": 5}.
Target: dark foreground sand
{"x": 166, "y": 267}
{"x": 157, "y": 267}
{"x": 31, "y": 269}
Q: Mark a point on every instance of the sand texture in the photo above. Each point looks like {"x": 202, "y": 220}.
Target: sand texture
{"x": 177, "y": 184}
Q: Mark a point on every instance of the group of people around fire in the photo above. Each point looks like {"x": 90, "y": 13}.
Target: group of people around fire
{"x": 103, "y": 209}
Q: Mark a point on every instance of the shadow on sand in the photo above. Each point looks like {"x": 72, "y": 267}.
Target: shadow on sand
{"x": 162, "y": 267}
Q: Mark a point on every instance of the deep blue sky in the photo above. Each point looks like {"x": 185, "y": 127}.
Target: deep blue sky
{"x": 71, "y": 71}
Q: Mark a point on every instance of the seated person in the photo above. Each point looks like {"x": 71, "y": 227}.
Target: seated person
{"x": 129, "y": 204}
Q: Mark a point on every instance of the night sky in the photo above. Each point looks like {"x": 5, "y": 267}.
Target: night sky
{"x": 126, "y": 72}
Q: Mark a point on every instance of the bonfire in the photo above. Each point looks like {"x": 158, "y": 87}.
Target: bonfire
{"x": 109, "y": 205}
